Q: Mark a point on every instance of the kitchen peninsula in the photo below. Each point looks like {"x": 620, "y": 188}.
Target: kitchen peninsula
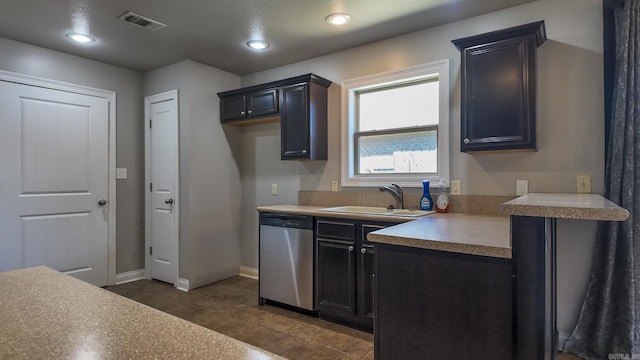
{"x": 45, "y": 314}
{"x": 512, "y": 303}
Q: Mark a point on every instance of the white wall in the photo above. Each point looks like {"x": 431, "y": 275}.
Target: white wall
{"x": 210, "y": 198}
{"x": 36, "y": 61}
{"x": 570, "y": 126}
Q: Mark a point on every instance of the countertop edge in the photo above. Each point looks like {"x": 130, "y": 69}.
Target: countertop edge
{"x": 459, "y": 248}
{"x": 566, "y": 206}
{"x": 314, "y": 210}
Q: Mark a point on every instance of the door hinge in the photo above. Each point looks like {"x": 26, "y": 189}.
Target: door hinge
{"x": 150, "y": 186}
{"x": 150, "y": 124}
{"x": 150, "y": 250}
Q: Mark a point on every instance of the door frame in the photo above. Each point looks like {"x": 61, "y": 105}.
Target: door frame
{"x": 148, "y": 100}
{"x": 110, "y": 96}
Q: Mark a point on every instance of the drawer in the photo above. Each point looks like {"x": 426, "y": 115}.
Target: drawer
{"x": 331, "y": 229}
{"x": 367, "y": 228}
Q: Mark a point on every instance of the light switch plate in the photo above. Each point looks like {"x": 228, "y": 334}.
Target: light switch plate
{"x": 522, "y": 187}
{"x": 274, "y": 189}
{"x": 334, "y": 185}
{"x": 121, "y": 173}
{"x": 583, "y": 183}
{"x": 456, "y": 187}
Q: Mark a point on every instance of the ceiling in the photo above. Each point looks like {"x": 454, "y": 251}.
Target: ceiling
{"x": 215, "y": 32}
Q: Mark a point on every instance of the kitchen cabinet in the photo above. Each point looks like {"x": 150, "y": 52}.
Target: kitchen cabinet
{"x": 299, "y": 103}
{"x": 446, "y": 305}
{"x": 345, "y": 271}
{"x": 250, "y": 105}
{"x": 498, "y": 88}
{"x": 303, "y": 122}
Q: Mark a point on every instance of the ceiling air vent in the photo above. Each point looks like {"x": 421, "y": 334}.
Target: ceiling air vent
{"x": 141, "y": 21}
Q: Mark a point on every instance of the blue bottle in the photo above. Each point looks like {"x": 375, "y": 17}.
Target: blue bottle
{"x": 426, "y": 202}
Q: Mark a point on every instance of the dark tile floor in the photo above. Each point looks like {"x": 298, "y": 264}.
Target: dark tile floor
{"x": 230, "y": 307}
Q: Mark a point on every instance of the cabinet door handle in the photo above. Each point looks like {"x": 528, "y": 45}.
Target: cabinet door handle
{"x": 467, "y": 141}
{"x": 295, "y": 152}
{"x": 363, "y": 250}
{"x": 249, "y": 111}
{"x": 350, "y": 248}
{"x": 241, "y": 112}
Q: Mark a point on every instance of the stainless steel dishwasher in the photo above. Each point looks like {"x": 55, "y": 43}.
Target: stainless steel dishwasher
{"x": 286, "y": 259}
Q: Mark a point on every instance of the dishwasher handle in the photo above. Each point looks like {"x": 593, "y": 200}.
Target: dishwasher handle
{"x": 287, "y": 221}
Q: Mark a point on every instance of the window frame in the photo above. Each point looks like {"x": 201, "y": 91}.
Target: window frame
{"x": 349, "y": 163}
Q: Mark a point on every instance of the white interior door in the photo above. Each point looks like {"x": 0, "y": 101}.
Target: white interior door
{"x": 162, "y": 171}
{"x": 54, "y": 187}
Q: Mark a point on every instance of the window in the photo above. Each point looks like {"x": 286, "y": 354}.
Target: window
{"x": 395, "y": 127}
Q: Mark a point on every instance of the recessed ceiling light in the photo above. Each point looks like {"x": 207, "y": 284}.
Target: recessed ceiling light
{"x": 338, "y": 19}
{"x": 81, "y": 38}
{"x": 258, "y": 44}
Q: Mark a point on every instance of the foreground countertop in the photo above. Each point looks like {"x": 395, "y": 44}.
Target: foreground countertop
{"x": 45, "y": 314}
{"x": 484, "y": 235}
{"x": 566, "y": 206}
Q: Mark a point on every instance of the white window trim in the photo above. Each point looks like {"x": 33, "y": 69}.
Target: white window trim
{"x": 349, "y": 89}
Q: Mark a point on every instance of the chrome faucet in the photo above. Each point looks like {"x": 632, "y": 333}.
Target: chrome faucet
{"x": 397, "y": 194}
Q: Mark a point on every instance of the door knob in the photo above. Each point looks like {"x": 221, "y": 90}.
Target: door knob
{"x": 350, "y": 248}
{"x": 467, "y": 141}
{"x": 102, "y": 202}
{"x": 363, "y": 250}
{"x": 168, "y": 201}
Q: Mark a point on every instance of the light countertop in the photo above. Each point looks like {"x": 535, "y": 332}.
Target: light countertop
{"x": 484, "y": 235}
{"x": 566, "y": 206}
{"x": 47, "y": 315}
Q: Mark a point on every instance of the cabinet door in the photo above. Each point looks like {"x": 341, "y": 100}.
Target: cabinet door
{"x": 498, "y": 96}
{"x": 294, "y": 122}
{"x": 262, "y": 103}
{"x": 336, "y": 277}
{"x": 233, "y": 107}
{"x": 440, "y": 305}
{"x": 365, "y": 282}
{"x": 366, "y": 273}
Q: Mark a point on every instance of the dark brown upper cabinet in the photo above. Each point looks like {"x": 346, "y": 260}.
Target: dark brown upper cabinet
{"x": 498, "y": 89}
{"x": 299, "y": 103}
{"x": 250, "y": 105}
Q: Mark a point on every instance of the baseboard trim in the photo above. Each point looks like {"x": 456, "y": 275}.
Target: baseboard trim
{"x": 249, "y": 272}
{"x": 129, "y": 276}
{"x": 182, "y": 284}
{"x": 562, "y": 339}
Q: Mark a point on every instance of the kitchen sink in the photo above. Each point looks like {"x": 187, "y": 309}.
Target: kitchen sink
{"x": 374, "y": 210}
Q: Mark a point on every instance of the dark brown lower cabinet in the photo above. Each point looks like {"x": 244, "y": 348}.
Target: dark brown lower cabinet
{"x": 345, "y": 271}
{"x": 440, "y": 305}
{"x": 337, "y": 278}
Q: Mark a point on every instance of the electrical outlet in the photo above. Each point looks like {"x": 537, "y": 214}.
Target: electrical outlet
{"x": 274, "y": 189}
{"x": 334, "y": 185}
{"x": 583, "y": 183}
{"x": 522, "y": 187}
{"x": 456, "y": 187}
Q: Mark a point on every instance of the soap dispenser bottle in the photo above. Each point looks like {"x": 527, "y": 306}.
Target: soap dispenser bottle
{"x": 426, "y": 202}
{"x": 442, "y": 199}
